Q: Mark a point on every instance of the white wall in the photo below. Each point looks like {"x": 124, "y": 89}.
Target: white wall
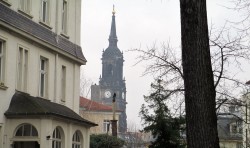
{"x": 56, "y": 60}
{"x": 55, "y": 16}
{"x": 54, "y": 72}
{"x": 45, "y": 127}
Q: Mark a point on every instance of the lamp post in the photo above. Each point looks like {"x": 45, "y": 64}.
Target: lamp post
{"x": 114, "y": 121}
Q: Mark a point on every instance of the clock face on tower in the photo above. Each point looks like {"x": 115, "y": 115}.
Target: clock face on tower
{"x": 107, "y": 94}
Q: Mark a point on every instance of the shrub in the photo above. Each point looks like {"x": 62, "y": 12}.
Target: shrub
{"x": 105, "y": 141}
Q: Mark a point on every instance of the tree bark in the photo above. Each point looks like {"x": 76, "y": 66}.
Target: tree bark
{"x": 201, "y": 120}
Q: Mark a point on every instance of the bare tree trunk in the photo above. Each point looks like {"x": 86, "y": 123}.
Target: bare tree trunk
{"x": 200, "y": 93}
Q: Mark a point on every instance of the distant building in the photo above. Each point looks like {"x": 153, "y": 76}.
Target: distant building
{"x": 136, "y": 139}
{"x": 112, "y": 80}
{"x": 98, "y": 113}
{"x": 246, "y": 117}
{"x": 40, "y": 59}
{"x": 147, "y": 138}
{"x": 229, "y": 126}
{"x": 230, "y": 129}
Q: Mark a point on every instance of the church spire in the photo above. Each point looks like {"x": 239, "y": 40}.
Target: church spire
{"x": 113, "y": 12}
{"x": 112, "y": 37}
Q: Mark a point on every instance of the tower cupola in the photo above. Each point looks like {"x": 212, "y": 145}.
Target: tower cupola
{"x": 112, "y": 50}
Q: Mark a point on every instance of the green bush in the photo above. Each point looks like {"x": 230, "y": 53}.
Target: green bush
{"x": 105, "y": 141}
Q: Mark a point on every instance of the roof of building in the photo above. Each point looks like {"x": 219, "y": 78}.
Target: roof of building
{"x": 36, "y": 30}
{"x": 24, "y": 105}
{"x": 91, "y": 105}
{"x": 224, "y": 121}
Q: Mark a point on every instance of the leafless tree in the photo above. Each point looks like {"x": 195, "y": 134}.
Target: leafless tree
{"x": 85, "y": 85}
{"x": 243, "y": 7}
{"x": 229, "y": 48}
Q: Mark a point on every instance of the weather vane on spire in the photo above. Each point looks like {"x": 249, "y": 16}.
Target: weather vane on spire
{"x": 113, "y": 12}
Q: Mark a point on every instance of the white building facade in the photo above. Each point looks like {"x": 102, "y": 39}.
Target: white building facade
{"x": 40, "y": 59}
{"x": 246, "y": 117}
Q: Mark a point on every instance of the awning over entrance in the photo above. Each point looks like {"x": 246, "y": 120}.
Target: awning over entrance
{"x": 24, "y": 105}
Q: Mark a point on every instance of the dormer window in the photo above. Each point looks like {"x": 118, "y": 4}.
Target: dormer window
{"x": 43, "y": 87}
{"x": 45, "y": 11}
{"x": 2, "y": 61}
{"x": 64, "y": 17}
{"x": 236, "y": 127}
{"x": 63, "y": 83}
{"x": 25, "y": 6}
{"x": 22, "y": 70}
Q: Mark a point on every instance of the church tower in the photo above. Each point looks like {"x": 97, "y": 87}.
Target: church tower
{"x": 112, "y": 80}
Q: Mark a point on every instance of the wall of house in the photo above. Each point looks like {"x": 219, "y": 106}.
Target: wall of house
{"x": 230, "y": 144}
{"x": 246, "y": 118}
{"x": 56, "y": 60}
{"x": 45, "y": 127}
{"x": 55, "y": 63}
{"x": 55, "y": 16}
{"x": 98, "y": 118}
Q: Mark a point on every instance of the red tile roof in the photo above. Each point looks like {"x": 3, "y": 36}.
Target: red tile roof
{"x": 94, "y": 106}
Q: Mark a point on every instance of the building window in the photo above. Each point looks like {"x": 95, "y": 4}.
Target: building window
{"x": 63, "y": 83}
{"x": 45, "y": 11}
{"x": 106, "y": 126}
{"x": 22, "y": 72}
{"x": 76, "y": 141}
{"x": 26, "y": 130}
{"x": 239, "y": 145}
{"x": 64, "y": 16}
{"x": 43, "y": 77}
{"x": 2, "y": 61}
{"x": 25, "y": 6}
{"x": 234, "y": 128}
{"x": 56, "y": 139}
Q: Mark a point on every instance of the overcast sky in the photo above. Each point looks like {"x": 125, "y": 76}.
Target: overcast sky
{"x": 139, "y": 24}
